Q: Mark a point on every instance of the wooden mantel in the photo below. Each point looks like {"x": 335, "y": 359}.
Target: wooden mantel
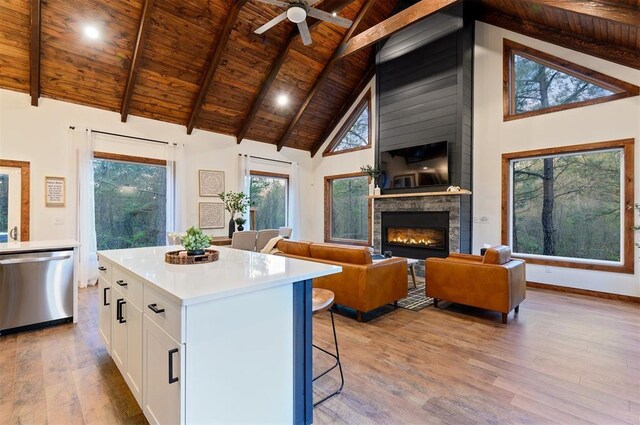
{"x": 421, "y": 194}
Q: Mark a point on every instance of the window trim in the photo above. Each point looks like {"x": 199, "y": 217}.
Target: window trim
{"x": 328, "y": 201}
{"x": 276, "y": 175}
{"x": 365, "y": 103}
{"x": 628, "y": 259}
{"x": 128, "y": 158}
{"x": 621, "y": 89}
{"x": 25, "y": 194}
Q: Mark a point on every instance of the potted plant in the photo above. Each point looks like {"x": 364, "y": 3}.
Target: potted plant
{"x": 195, "y": 242}
{"x": 240, "y": 221}
{"x": 373, "y": 173}
{"x": 234, "y": 202}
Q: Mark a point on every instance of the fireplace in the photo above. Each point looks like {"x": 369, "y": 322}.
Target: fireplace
{"x": 416, "y": 234}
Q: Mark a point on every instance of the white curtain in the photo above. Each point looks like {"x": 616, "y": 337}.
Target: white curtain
{"x": 244, "y": 184}
{"x": 86, "y": 211}
{"x": 176, "y": 188}
{"x": 294, "y": 200}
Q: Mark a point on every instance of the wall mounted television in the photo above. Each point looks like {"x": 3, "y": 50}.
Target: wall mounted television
{"x": 413, "y": 167}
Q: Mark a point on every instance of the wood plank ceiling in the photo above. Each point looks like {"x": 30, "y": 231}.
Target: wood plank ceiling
{"x": 198, "y": 63}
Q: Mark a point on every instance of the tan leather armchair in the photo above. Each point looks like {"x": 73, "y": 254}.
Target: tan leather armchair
{"x": 363, "y": 284}
{"x": 493, "y": 281}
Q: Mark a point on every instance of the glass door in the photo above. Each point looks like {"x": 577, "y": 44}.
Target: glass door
{"x": 10, "y": 199}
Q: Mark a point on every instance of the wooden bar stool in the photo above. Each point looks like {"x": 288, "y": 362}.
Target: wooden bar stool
{"x": 322, "y": 300}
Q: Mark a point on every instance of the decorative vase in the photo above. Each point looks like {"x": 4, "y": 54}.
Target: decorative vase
{"x": 372, "y": 186}
{"x": 232, "y": 227}
{"x": 240, "y": 227}
{"x": 195, "y": 252}
{"x": 376, "y": 191}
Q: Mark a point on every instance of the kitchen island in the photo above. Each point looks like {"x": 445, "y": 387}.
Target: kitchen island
{"x": 222, "y": 342}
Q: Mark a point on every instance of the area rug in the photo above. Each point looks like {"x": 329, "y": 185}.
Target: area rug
{"x": 415, "y": 300}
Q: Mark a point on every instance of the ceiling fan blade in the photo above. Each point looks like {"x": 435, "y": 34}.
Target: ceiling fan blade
{"x": 311, "y": 2}
{"x": 325, "y": 16}
{"x": 275, "y": 21}
{"x": 275, "y": 3}
{"x": 304, "y": 33}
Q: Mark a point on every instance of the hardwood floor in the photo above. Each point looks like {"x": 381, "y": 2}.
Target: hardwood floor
{"x": 565, "y": 358}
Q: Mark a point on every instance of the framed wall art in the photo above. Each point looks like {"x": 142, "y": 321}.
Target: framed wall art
{"x": 210, "y": 182}
{"x": 54, "y": 192}
{"x": 211, "y": 215}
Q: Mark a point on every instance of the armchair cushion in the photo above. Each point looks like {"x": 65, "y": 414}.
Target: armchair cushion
{"x": 500, "y": 254}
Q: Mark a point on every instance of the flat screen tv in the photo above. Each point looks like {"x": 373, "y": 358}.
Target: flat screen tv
{"x": 418, "y": 166}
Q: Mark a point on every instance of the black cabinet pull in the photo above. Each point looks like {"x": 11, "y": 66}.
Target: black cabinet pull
{"x": 171, "y": 378}
{"x": 121, "y": 282}
{"x": 119, "y": 315}
{"x": 104, "y": 296}
{"x": 155, "y": 309}
{"x": 102, "y": 269}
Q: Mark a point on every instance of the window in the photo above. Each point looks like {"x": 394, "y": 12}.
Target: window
{"x": 569, "y": 206}
{"x": 130, "y": 201}
{"x": 537, "y": 83}
{"x": 347, "y": 209}
{"x": 355, "y": 134}
{"x": 269, "y": 200}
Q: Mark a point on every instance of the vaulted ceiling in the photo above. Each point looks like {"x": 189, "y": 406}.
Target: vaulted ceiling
{"x": 199, "y": 63}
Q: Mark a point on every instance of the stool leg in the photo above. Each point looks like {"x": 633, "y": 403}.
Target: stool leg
{"x": 413, "y": 275}
{"x": 335, "y": 356}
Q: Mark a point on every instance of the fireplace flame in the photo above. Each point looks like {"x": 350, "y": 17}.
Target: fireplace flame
{"x": 427, "y": 237}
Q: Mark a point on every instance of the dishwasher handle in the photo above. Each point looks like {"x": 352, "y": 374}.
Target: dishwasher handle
{"x": 33, "y": 260}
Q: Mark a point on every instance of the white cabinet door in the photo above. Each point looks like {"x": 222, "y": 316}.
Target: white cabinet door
{"x": 104, "y": 312}
{"x": 163, "y": 360}
{"x": 119, "y": 330}
{"x": 134, "y": 350}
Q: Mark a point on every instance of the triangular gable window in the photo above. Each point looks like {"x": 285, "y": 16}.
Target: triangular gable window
{"x": 355, "y": 134}
{"x": 538, "y": 83}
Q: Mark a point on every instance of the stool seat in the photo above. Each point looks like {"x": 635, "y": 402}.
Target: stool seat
{"x": 322, "y": 300}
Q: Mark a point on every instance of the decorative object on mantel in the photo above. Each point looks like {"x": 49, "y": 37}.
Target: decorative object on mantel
{"x": 54, "y": 192}
{"x": 373, "y": 174}
{"x": 422, "y": 194}
{"x": 195, "y": 241}
{"x": 210, "y": 182}
{"x": 453, "y": 189}
{"x": 234, "y": 202}
{"x": 240, "y": 222}
{"x": 211, "y": 215}
{"x": 181, "y": 257}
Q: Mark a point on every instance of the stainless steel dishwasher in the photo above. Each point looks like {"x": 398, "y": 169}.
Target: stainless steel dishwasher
{"x": 36, "y": 289}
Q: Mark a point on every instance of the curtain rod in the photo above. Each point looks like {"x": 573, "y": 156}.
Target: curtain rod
{"x": 267, "y": 159}
{"x": 129, "y": 137}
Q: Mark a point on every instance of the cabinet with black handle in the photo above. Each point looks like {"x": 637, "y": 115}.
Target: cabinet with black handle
{"x": 104, "y": 305}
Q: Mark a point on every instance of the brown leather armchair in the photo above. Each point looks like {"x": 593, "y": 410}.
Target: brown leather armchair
{"x": 363, "y": 284}
{"x": 493, "y": 281}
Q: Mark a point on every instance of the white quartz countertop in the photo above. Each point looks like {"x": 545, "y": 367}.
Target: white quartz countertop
{"x": 7, "y": 247}
{"x": 235, "y": 273}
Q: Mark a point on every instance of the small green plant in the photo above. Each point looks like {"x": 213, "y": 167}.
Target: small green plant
{"x": 195, "y": 240}
{"x": 240, "y": 221}
{"x": 235, "y": 202}
{"x": 371, "y": 171}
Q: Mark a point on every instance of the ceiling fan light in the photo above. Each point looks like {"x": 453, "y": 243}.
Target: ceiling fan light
{"x": 296, "y": 14}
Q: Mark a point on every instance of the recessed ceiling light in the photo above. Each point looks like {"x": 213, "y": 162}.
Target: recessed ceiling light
{"x": 282, "y": 100}
{"x": 334, "y": 14}
{"x": 91, "y": 32}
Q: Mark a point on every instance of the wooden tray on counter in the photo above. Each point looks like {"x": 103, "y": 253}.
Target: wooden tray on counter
{"x": 174, "y": 257}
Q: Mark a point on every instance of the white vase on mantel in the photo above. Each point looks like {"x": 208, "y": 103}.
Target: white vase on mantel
{"x": 376, "y": 191}
{"x": 372, "y": 186}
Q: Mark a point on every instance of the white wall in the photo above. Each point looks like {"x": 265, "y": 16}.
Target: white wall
{"x": 41, "y": 136}
{"x": 492, "y": 137}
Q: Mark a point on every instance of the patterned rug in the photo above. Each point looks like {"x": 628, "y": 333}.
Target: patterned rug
{"x": 416, "y": 300}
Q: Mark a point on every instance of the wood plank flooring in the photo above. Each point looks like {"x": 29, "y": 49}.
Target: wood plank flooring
{"x": 565, "y": 358}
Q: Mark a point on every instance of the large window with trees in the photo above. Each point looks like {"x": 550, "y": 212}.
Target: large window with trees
{"x": 355, "y": 134}
{"x": 569, "y": 206}
{"x": 347, "y": 209}
{"x": 537, "y": 83}
{"x": 130, "y": 201}
{"x": 269, "y": 200}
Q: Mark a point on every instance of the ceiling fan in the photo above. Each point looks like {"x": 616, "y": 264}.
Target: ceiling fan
{"x": 297, "y": 12}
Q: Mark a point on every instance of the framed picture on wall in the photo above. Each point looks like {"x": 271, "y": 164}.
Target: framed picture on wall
{"x": 54, "y": 192}
{"x": 210, "y": 182}
{"x": 211, "y": 215}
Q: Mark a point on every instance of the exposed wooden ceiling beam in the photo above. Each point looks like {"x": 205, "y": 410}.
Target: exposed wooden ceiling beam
{"x": 232, "y": 16}
{"x": 393, "y": 24}
{"x": 608, "y": 52}
{"x": 325, "y": 73}
{"x": 345, "y": 107}
{"x": 143, "y": 32}
{"x": 595, "y": 9}
{"x": 34, "y": 54}
{"x": 327, "y": 6}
